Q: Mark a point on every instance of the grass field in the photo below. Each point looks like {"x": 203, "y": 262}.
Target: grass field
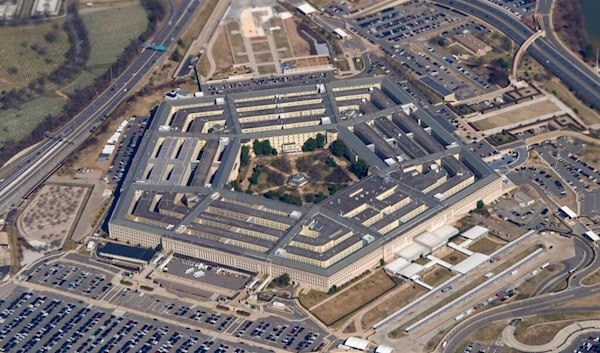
{"x": 26, "y": 54}
{"x": 267, "y": 69}
{"x": 438, "y": 276}
{"x": 354, "y": 297}
{"x": 541, "y": 329}
{"x": 485, "y": 246}
{"x": 524, "y": 290}
{"x": 454, "y": 257}
{"x": 84, "y": 79}
{"x": 281, "y": 38}
{"x": 298, "y": 45}
{"x": 17, "y": 124}
{"x": 514, "y": 116}
{"x": 111, "y": 30}
{"x": 588, "y": 115}
{"x": 198, "y": 23}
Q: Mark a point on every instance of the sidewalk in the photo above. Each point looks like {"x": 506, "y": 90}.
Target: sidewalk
{"x": 562, "y": 339}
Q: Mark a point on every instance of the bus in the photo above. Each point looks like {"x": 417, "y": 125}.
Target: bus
{"x": 545, "y": 265}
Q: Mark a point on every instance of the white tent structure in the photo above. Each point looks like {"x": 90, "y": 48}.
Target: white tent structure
{"x": 396, "y": 265}
{"x": 470, "y": 263}
{"x": 384, "y": 349}
{"x": 475, "y": 232}
{"x": 357, "y": 343}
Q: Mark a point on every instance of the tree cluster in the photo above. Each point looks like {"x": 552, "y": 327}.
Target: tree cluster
{"x": 338, "y": 148}
{"x": 360, "y": 168}
{"x": 245, "y": 156}
{"x": 262, "y": 148}
{"x": 314, "y": 143}
{"x": 282, "y": 281}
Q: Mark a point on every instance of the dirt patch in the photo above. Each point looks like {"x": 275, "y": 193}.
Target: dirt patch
{"x": 354, "y": 297}
{"x": 299, "y": 46}
{"x": 260, "y": 46}
{"x": 396, "y": 301}
{"x": 312, "y": 298}
{"x": 221, "y": 51}
{"x": 53, "y": 213}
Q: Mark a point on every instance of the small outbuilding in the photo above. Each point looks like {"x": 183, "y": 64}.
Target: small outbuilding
{"x": 524, "y": 199}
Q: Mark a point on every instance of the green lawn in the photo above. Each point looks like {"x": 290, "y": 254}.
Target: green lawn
{"x": 111, "y": 30}
{"x": 18, "y": 123}
{"x": 26, "y": 53}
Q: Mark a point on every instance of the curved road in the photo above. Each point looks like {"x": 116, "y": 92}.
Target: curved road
{"x": 48, "y": 155}
{"x": 536, "y": 306}
{"x": 557, "y": 60}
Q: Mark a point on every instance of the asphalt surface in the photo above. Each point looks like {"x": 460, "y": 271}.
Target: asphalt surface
{"x": 556, "y": 59}
{"x": 48, "y": 155}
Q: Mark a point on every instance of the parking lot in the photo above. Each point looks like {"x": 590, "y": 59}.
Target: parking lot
{"x": 267, "y": 83}
{"x": 77, "y": 279}
{"x": 94, "y": 283}
{"x": 273, "y": 331}
{"x": 517, "y": 7}
{"x": 544, "y": 180}
{"x": 536, "y": 216}
{"x": 404, "y": 22}
{"x": 585, "y": 343}
{"x": 42, "y": 322}
{"x": 132, "y": 135}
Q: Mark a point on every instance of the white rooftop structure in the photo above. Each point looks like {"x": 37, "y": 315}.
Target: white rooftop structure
{"x": 569, "y": 212}
{"x": 470, "y": 263}
{"x": 593, "y": 236}
{"x": 475, "y": 232}
{"x": 430, "y": 241}
{"x": 306, "y": 8}
{"x": 357, "y": 343}
{"x": 396, "y": 265}
{"x": 411, "y": 270}
{"x": 384, "y": 349}
{"x": 114, "y": 138}
{"x": 412, "y": 252}
{"x": 108, "y": 149}
{"x": 340, "y": 32}
{"x": 445, "y": 232}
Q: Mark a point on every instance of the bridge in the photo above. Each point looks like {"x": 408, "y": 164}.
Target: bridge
{"x": 522, "y": 50}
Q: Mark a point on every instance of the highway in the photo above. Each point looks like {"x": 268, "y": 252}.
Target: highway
{"x": 48, "y": 155}
{"x": 557, "y": 60}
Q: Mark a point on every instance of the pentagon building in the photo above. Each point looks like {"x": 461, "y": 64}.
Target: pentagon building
{"x": 177, "y": 191}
